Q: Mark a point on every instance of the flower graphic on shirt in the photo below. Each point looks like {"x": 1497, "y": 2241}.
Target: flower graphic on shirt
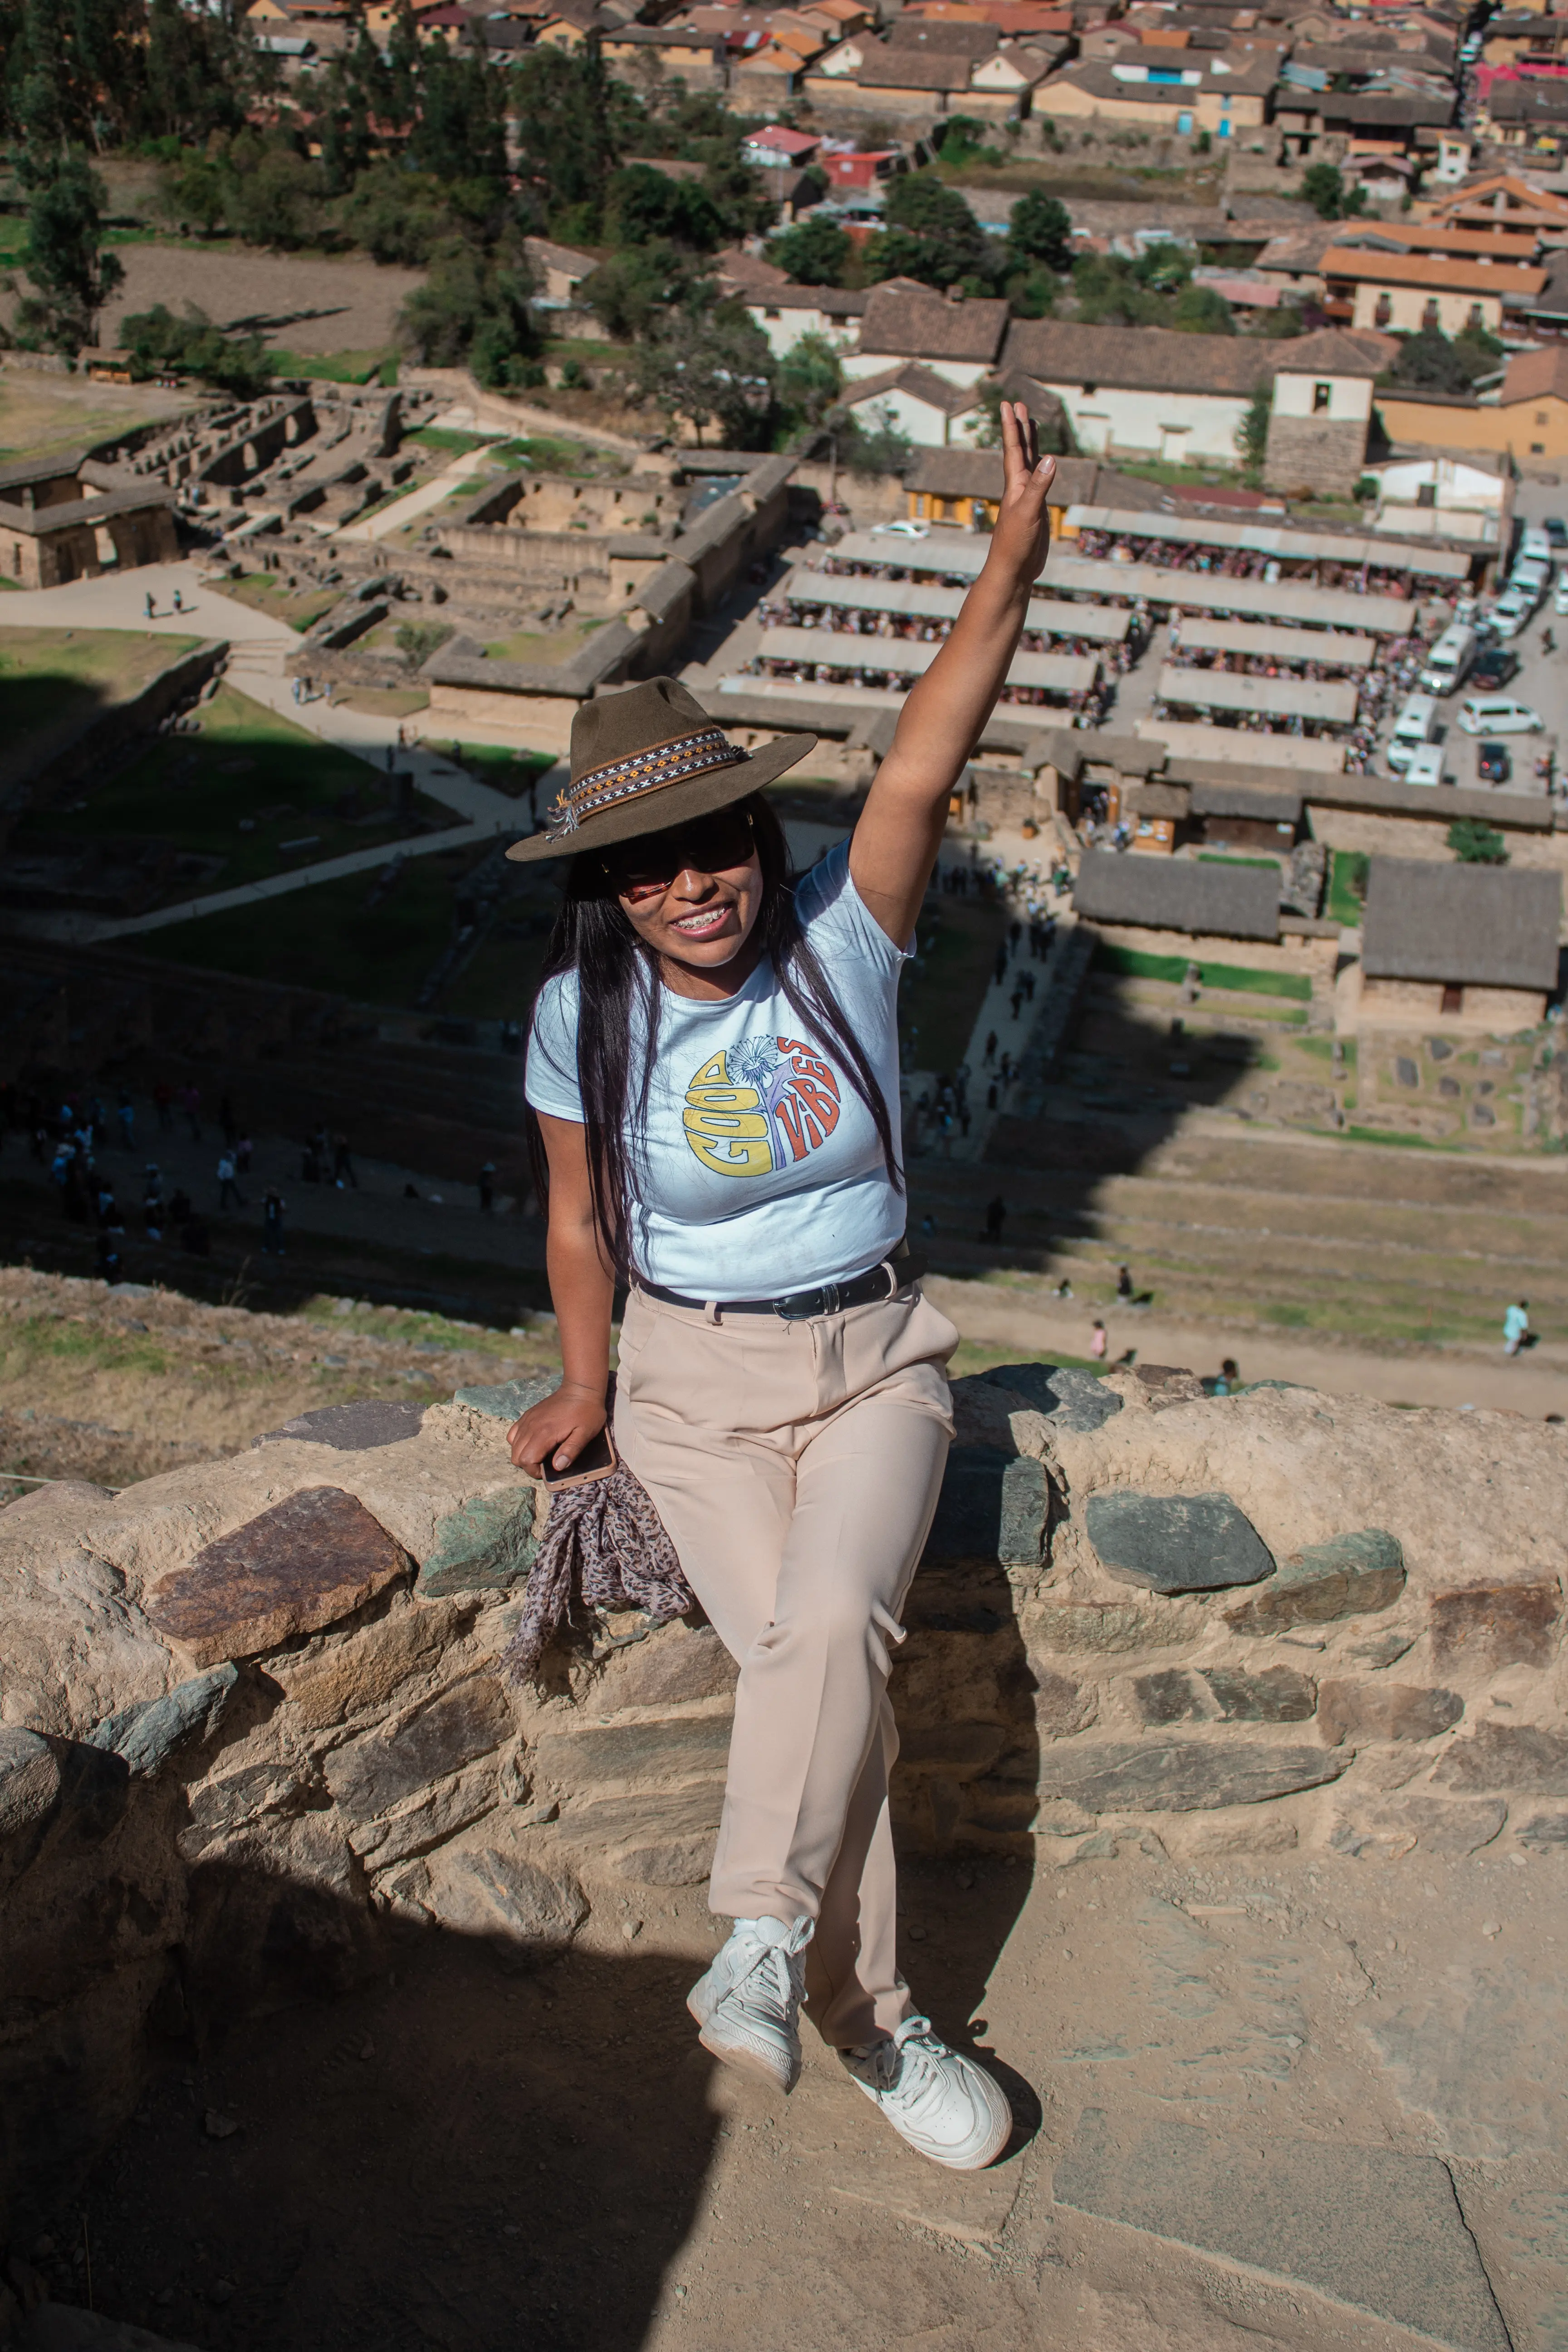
{"x": 763, "y": 1105}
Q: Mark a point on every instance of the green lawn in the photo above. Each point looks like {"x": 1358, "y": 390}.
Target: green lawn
{"x": 503, "y": 769}
{"x": 1134, "y": 964}
{"x": 334, "y": 367}
{"x": 1344, "y": 899}
{"x": 265, "y": 592}
{"x": 51, "y": 675}
{"x": 1222, "y": 857}
{"x": 248, "y": 763}
{"x": 939, "y": 1000}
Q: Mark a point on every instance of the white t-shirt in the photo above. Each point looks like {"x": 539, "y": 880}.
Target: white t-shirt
{"x": 762, "y": 1172}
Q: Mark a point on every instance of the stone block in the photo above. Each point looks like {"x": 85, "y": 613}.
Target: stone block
{"x": 304, "y": 1564}
{"x": 1209, "y": 1837}
{"x": 1382, "y": 1650}
{"x": 1107, "y": 1629}
{"x": 962, "y": 1750}
{"x": 351, "y": 1674}
{"x": 1546, "y": 1830}
{"x": 678, "y": 1662}
{"x": 374, "y": 1775}
{"x": 1177, "y": 1543}
{"x": 1487, "y": 1626}
{"x": 664, "y": 1841}
{"x": 29, "y": 1780}
{"x": 153, "y": 1732}
{"x": 1343, "y": 1578}
{"x": 1381, "y": 1710}
{"x": 62, "y": 1792}
{"x": 1183, "y": 1776}
{"x": 1435, "y": 1824}
{"x": 483, "y": 1885}
{"x": 1062, "y": 1706}
{"x": 994, "y": 1507}
{"x": 486, "y": 1546}
{"x": 276, "y": 1786}
{"x": 1502, "y": 1757}
{"x": 1371, "y": 2227}
{"x": 1169, "y": 1697}
{"x": 357, "y": 1428}
{"x": 646, "y": 1754}
{"x": 1277, "y": 1695}
{"x": 507, "y": 1400}
{"x": 433, "y": 1818}
{"x": 1073, "y": 1400}
{"x": 938, "y": 1675}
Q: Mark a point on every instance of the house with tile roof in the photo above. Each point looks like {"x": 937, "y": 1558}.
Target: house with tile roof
{"x": 957, "y": 337}
{"x": 1459, "y": 939}
{"x": 1505, "y": 201}
{"x": 928, "y": 409}
{"x": 1401, "y": 293}
{"x": 1525, "y": 420}
{"x": 1179, "y": 92}
{"x": 785, "y": 313}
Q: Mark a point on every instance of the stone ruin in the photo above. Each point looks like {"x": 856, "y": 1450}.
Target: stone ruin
{"x": 252, "y": 1723}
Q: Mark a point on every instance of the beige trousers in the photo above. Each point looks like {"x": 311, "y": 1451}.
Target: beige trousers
{"x": 797, "y": 1467}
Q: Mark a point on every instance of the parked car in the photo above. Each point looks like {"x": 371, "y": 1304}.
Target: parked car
{"x": 1512, "y": 613}
{"x": 1556, "y": 530}
{"x": 1532, "y": 571}
{"x": 1498, "y": 714}
{"x": 901, "y": 530}
{"x": 1416, "y": 724}
{"x": 1426, "y": 766}
{"x": 1559, "y": 595}
{"x": 1535, "y": 547}
{"x": 1449, "y": 661}
{"x": 1493, "y": 765}
{"x": 1494, "y": 665}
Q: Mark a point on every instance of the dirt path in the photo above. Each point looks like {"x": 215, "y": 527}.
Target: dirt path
{"x": 1277, "y": 2104}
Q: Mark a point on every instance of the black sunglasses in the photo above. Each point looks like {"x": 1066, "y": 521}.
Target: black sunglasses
{"x": 710, "y": 845}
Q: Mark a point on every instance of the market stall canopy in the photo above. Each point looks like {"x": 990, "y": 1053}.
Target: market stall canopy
{"x": 1287, "y": 546}
{"x": 1192, "y": 740}
{"x": 1332, "y": 646}
{"x": 1285, "y": 600}
{"x": 1276, "y": 697}
{"x": 907, "y": 657}
{"x": 924, "y": 600}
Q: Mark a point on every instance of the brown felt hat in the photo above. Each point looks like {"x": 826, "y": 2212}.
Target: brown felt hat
{"x": 648, "y": 758}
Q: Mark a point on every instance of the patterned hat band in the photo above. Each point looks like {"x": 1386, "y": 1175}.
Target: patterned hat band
{"x": 642, "y": 772}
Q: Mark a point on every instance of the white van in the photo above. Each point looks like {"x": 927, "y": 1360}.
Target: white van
{"x": 1534, "y": 547}
{"x": 1497, "y": 714}
{"x": 1426, "y": 765}
{"x": 1533, "y": 573}
{"x": 1449, "y": 662}
{"x": 1416, "y": 724}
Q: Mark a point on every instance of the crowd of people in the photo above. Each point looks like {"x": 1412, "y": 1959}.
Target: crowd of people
{"x": 1249, "y": 563}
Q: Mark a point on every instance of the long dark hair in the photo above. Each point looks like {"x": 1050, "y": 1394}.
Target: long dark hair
{"x": 617, "y": 976}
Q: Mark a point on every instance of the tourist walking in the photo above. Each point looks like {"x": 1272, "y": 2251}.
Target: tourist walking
{"x": 229, "y": 1192}
{"x": 1516, "y": 1326}
{"x": 1097, "y": 1341}
{"x": 342, "y": 1163}
{"x": 272, "y": 1209}
{"x": 713, "y": 1084}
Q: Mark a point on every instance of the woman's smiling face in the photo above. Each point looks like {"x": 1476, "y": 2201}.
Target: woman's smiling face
{"x": 693, "y": 894}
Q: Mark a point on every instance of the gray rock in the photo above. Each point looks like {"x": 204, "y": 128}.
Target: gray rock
{"x": 1500, "y": 1756}
{"x": 509, "y": 1400}
{"x": 992, "y": 1507}
{"x": 1488, "y": 1626}
{"x": 247, "y": 1795}
{"x": 1545, "y": 1830}
{"x": 1074, "y": 1400}
{"x": 1436, "y": 1825}
{"x": 373, "y": 1775}
{"x": 1382, "y": 1650}
{"x": 59, "y": 1790}
{"x": 315, "y": 1557}
{"x": 1107, "y": 1627}
{"x": 432, "y": 1819}
{"x": 677, "y": 1662}
{"x": 1406, "y": 1071}
{"x": 1343, "y": 1578}
{"x": 1375, "y": 2228}
{"x": 1177, "y": 1543}
{"x": 486, "y": 1546}
{"x": 1277, "y": 1695}
{"x": 664, "y": 1841}
{"x": 357, "y": 1428}
{"x": 149, "y": 1734}
{"x": 663, "y": 1755}
{"x": 1380, "y": 1710}
{"x": 1169, "y": 1697}
{"x": 29, "y": 1780}
{"x": 1183, "y": 1776}
{"x": 493, "y": 1890}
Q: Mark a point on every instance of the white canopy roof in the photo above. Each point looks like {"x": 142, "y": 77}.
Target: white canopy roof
{"x": 1333, "y": 646}
{"x": 1190, "y": 738}
{"x": 947, "y": 553}
{"x": 1328, "y": 608}
{"x": 924, "y": 600}
{"x": 901, "y": 657}
{"x": 1277, "y": 698}
{"x": 1262, "y": 539}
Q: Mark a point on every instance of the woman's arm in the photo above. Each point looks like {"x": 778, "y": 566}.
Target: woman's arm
{"x": 583, "y": 1288}
{"x": 901, "y": 827}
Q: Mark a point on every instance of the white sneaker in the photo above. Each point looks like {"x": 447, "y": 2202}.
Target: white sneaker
{"x": 940, "y": 2101}
{"x": 748, "y": 2004}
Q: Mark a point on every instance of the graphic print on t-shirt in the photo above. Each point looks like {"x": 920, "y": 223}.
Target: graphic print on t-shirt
{"x": 764, "y": 1105}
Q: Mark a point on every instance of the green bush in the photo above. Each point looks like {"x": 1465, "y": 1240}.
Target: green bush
{"x": 1475, "y": 842}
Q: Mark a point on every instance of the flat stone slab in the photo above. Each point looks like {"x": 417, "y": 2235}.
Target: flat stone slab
{"x": 356, "y": 1428}
{"x": 1493, "y": 1625}
{"x": 1177, "y": 1543}
{"x": 1343, "y": 1578}
{"x": 1502, "y": 1757}
{"x": 1074, "y": 1400}
{"x": 370, "y": 1776}
{"x": 1379, "y": 2231}
{"x": 509, "y": 1400}
{"x": 485, "y": 1545}
{"x": 300, "y": 1567}
{"x": 149, "y": 1734}
{"x": 1183, "y": 1776}
{"x": 1385, "y": 1710}
{"x": 994, "y": 1507}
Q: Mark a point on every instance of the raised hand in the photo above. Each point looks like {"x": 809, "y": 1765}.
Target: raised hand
{"x": 1022, "y": 536}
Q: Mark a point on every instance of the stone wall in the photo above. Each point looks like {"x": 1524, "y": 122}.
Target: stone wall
{"x": 253, "y": 1722}
{"x": 1309, "y": 455}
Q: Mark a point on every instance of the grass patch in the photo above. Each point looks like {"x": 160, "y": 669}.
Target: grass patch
{"x": 268, "y": 592}
{"x": 50, "y": 677}
{"x": 334, "y": 367}
{"x": 447, "y": 444}
{"x": 940, "y": 1000}
{"x": 550, "y": 646}
{"x": 1389, "y": 1135}
{"x": 504, "y": 769}
{"x": 247, "y": 762}
{"x": 1135, "y": 963}
{"x": 1219, "y": 857}
{"x": 1345, "y": 899}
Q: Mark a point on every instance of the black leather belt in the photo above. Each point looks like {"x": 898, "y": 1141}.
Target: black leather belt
{"x": 884, "y": 1281}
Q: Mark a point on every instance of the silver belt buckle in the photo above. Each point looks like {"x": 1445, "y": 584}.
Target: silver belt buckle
{"x": 827, "y": 1298}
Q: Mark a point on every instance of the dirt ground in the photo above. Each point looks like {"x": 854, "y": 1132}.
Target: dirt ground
{"x": 41, "y": 413}
{"x": 1277, "y": 2102}
{"x": 317, "y": 305}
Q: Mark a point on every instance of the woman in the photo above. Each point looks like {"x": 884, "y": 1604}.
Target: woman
{"x": 713, "y": 1068}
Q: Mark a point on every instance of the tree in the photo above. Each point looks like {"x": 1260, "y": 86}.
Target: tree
{"x": 643, "y": 206}
{"x": 459, "y": 132}
{"x": 712, "y": 369}
{"x": 1201, "y": 311}
{"x": 1475, "y": 842}
{"x": 1252, "y": 433}
{"x": 1428, "y": 362}
{"x": 71, "y": 277}
{"x": 572, "y": 124}
{"x": 814, "y": 252}
{"x": 398, "y": 215}
{"x": 632, "y": 289}
{"x": 1324, "y": 188}
{"x": 194, "y": 194}
{"x": 810, "y": 379}
{"x": 873, "y": 445}
{"x": 159, "y": 342}
{"x": 195, "y": 76}
{"x": 932, "y": 235}
{"x": 274, "y": 195}
{"x": 1041, "y": 230}
{"x": 473, "y": 311}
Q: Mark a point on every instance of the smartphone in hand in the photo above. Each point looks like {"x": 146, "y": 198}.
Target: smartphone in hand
{"x": 597, "y": 1460}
